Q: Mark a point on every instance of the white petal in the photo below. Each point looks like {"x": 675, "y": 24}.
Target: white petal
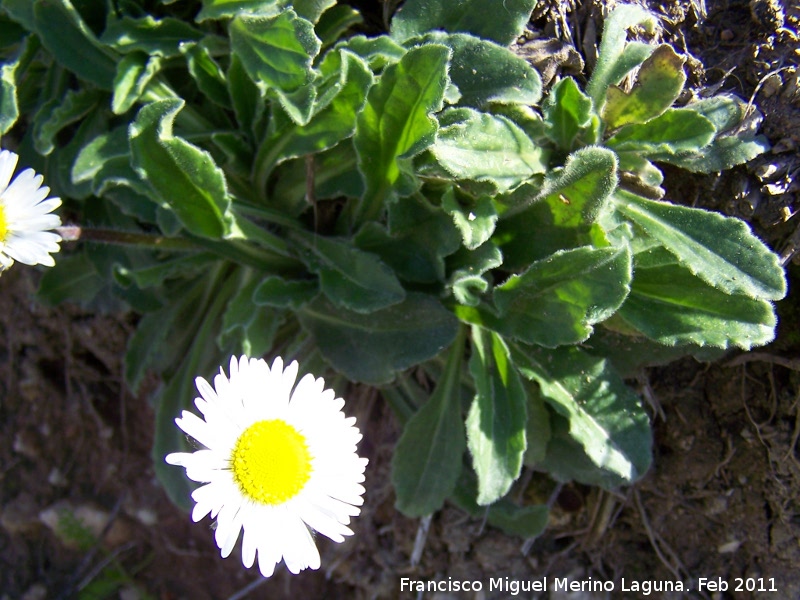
{"x": 8, "y": 163}
{"x": 253, "y": 391}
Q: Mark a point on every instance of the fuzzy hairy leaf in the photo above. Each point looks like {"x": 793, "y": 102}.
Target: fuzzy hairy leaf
{"x": 496, "y": 419}
{"x": 676, "y": 132}
{"x": 223, "y": 9}
{"x": 396, "y": 121}
{"x": 180, "y": 175}
{"x": 134, "y": 72}
{"x": 567, "y": 114}
{"x": 558, "y": 299}
{"x": 671, "y": 306}
{"x": 372, "y": 348}
{"x": 327, "y": 127}
{"x": 722, "y": 251}
{"x": 487, "y": 148}
{"x": 61, "y": 112}
{"x": 349, "y": 277}
{"x": 161, "y": 37}
{"x": 475, "y": 222}
{"x": 277, "y": 52}
{"x": 562, "y": 212}
{"x": 427, "y": 459}
{"x": 485, "y": 72}
{"x": 605, "y": 417}
{"x": 71, "y": 42}
{"x": 615, "y": 58}
{"x": 501, "y": 21}
{"x": 658, "y": 84}
{"x": 418, "y": 239}
{"x": 281, "y": 293}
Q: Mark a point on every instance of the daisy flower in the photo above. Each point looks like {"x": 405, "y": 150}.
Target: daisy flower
{"x": 25, "y": 216}
{"x": 278, "y": 461}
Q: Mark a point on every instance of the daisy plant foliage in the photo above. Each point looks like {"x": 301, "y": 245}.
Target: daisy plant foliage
{"x": 408, "y": 210}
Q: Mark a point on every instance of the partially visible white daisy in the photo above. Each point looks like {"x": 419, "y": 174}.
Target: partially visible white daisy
{"x": 25, "y": 216}
{"x": 278, "y": 460}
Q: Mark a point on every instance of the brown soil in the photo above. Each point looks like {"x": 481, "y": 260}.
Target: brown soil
{"x": 722, "y": 500}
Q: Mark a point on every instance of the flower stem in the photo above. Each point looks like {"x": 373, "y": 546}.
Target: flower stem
{"x": 72, "y": 233}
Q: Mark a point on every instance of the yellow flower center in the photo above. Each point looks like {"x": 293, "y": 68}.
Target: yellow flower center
{"x": 271, "y": 462}
{"x": 3, "y": 223}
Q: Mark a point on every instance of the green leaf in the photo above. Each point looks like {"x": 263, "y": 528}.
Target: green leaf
{"x": 485, "y": 72}
{"x": 311, "y": 10}
{"x": 247, "y": 329}
{"x": 74, "y": 279}
{"x": 150, "y": 333}
{"x": 568, "y": 114}
{"x": 248, "y": 103}
{"x": 349, "y": 277}
{"x": 180, "y": 175}
{"x": 476, "y": 262}
{"x": 396, "y": 121}
{"x": 207, "y": 74}
{"x": 282, "y": 293}
{"x": 671, "y": 306}
{"x": 483, "y": 147}
{"x": 658, "y": 84}
{"x": 475, "y": 222}
{"x": 199, "y": 355}
{"x": 9, "y": 108}
{"x": 676, "y": 131}
{"x": 154, "y": 37}
{"x": 58, "y": 113}
{"x": 379, "y": 52}
{"x": 630, "y": 351}
{"x": 468, "y": 288}
{"x": 157, "y": 274}
{"x": 496, "y": 419}
{"x": 558, "y": 299}
{"x": 327, "y": 127}
{"x": 371, "y": 348}
{"x": 335, "y": 22}
{"x": 615, "y": 58}
{"x": 419, "y": 237}
{"x": 604, "y": 415}
{"x": 562, "y": 212}
{"x": 722, "y": 251}
{"x": 427, "y": 459}
{"x": 11, "y": 33}
{"x": 223, "y": 9}
{"x": 725, "y": 111}
{"x": 722, "y": 154}
{"x": 277, "y": 51}
{"x": 105, "y": 162}
{"x": 134, "y": 72}
{"x": 537, "y": 428}
{"x": 20, "y": 11}
{"x": 500, "y": 21}
{"x": 522, "y": 521}
{"x": 72, "y": 44}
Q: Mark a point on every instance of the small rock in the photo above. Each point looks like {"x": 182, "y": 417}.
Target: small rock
{"x": 130, "y": 593}
{"x": 771, "y": 85}
{"x": 37, "y": 591}
{"x": 56, "y": 478}
{"x": 20, "y": 515}
{"x": 26, "y": 443}
{"x": 146, "y": 516}
{"x": 729, "y": 547}
{"x": 77, "y": 526}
